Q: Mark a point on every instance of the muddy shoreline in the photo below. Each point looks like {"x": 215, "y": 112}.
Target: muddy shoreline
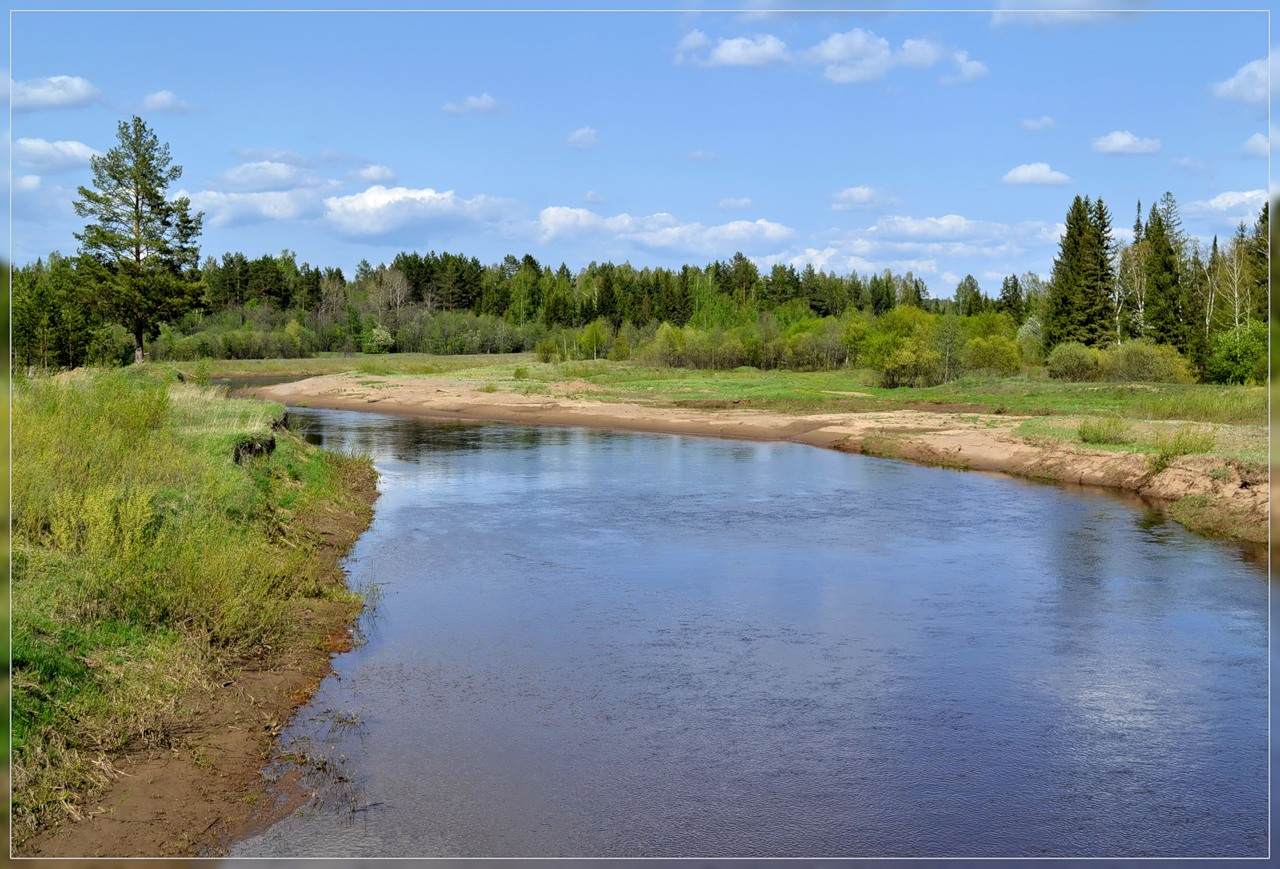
{"x": 204, "y": 787}
{"x": 1217, "y": 497}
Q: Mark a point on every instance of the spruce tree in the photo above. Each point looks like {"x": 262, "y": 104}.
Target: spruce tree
{"x": 1011, "y": 301}
{"x": 1066, "y": 283}
{"x": 1168, "y": 308}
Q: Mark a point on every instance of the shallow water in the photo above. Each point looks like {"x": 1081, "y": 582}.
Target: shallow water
{"x": 594, "y": 643}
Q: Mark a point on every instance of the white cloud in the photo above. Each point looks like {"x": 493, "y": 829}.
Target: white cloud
{"x": 471, "y": 105}
{"x": 55, "y": 92}
{"x": 592, "y": 197}
{"x": 1124, "y": 142}
{"x": 163, "y": 101}
{"x": 1052, "y": 13}
{"x": 1259, "y": 144}
{"x": 1248, "y": 85}
{"x": 262, "y": 175}
{"x": 919, "y": 52}
{"x": 734, "y": 202}
{"x": 375, "y": 173}
{"x": 381, "y": 210}
{"x": 661, "y": 230}
{"x": 1043, "y": 122}
{"x": 701, "y": 156}
{"x": 26, "y": 183}
{"x": 946, "y": 226}
{"x": 276, "y": 155}
{"x": 689, "y": 46}
{"x": 1230, "y": 202}
{"x": 850, "y": 198}
{"x": 45, "y": 156}
{"x": 856, "y": 56}
{"x": 584, "y": 137}
{"x": 1035, "y": 173}
{"x": 231, "y": 208}
{"x": 748, "y": 51}
{"x": 967, "y": 69}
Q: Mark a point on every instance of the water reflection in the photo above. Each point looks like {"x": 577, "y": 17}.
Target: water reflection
{"x": 593, "y": 643}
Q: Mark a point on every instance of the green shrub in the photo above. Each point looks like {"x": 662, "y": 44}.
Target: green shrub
{"x": 546, "y": 349}
{"x": 377, "y": 340}
{"x": 521, "y": 373}
{"x": 997, "y": 354}
{"x": 1105, "y": 430}
{"x": 1239, "y": 355}
{"x": 1140, "y": 361}
{"x": 1072, "y": 360}
{"x": 1031, "y": 341}
{"x": 914, "y": 364}
{"x": 110, "y": 346}
{"x": 621, "y": 349}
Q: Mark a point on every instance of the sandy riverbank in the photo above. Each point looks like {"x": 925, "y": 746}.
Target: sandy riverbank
{"x": 1216, "y": 496}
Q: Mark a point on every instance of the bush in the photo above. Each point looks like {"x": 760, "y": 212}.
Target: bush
{"x": 377, "y": 340}
{"x": 1031, "y": 340}
{"x": 1105, "y": 430}
{"x": 1239, "y": 355}
{"x": 996, "y": 354}
{"x": 1140, "y": 361}
{"x": 914, "y": 364}
{"x": 110, "y": 346}
{"x": 1072, "y": 360}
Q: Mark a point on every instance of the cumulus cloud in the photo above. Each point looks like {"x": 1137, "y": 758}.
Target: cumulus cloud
{"x": 1259, "y": 144}
{"x": 263, "y": 175}
{"x": 1231, "y": 203}
{"x": 1248, "y": 85}
{"x": 747, "y": 51}
{"x": 380, "y": 210}
{"x": 584, "y": 137}
{"x": 661, "y": 230}
{"x": 967, "y": 69}
{"x": 224, "y": 208}
{"x": 1035, "y": 173}
{"x": 471, "y": 105}
{"x": 1043, "y": 122}
{"x": 163, "y": 101}
{"x": 732, "y": 203}
{"x": 690, "y": 45}
{"x": 374, "y": 173}
{"x": 26, "y": 183}
{"x": 44, "y": 156}
{"x": 1124, "y": 142}
{"x": 54, "y": 92}
{"x": 850, "y": 198}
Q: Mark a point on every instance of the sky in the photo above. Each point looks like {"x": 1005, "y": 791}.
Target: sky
{"x": 943, "y": 144}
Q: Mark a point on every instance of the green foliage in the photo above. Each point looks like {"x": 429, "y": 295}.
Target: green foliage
{"x": 1031, "y": 340}
{"x": 1074, "y": 361}
{"x": 377, "y": 340}
{"x": 1140, "y": 361}
{"x": 912, "y": 364}
{"x": 996, "y": 354}
{"x": 1239, "y": 355}
{"x": 1105, "y": 430}
{"x": 143, "y": 555}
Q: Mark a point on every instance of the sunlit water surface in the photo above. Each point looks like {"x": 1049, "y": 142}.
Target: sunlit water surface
{"x": 593, "y": 643}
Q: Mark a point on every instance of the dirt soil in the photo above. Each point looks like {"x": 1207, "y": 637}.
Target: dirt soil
{"x": 207, "y": 788}
{"x": 1237, "y": 494}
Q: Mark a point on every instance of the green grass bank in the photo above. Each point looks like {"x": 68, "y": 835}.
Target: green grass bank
{"x": 149, "y": 566}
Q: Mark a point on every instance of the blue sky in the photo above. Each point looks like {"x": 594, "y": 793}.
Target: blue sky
{"x": 941, "y": 143}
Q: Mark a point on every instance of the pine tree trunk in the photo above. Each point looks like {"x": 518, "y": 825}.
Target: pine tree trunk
{"x": 137, "y": 346}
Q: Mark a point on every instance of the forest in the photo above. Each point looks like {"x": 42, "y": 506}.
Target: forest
{"x": 1160, "y": 305}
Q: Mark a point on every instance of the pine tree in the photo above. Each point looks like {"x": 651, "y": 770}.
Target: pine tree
{"x": 139, "y": 246}
{"x": 1094, "y": 314}
{"x": 1066, "y": 283}
{"x": 1010, "y": 301}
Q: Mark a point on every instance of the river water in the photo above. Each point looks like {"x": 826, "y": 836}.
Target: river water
{"x": 594, "y": 643}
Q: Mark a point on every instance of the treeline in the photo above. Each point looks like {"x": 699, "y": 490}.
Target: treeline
{"x": 1160, "y": 288}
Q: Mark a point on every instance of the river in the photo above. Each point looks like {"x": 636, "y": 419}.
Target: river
{"x": 615, "y": 644}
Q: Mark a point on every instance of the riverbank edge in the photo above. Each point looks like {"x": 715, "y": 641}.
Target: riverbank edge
{"x": 198, "y": 796}
{"x": 1211, "y": 497}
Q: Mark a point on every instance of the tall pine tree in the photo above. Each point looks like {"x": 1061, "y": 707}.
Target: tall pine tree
{"x": 1168, "y": 307}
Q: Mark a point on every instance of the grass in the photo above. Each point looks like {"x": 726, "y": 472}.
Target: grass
{"x": 844, "y": 390}
{"x": 144, "y": 560}
{"x": 1105, "y": 430}
{"x": 1186, "y": 441}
